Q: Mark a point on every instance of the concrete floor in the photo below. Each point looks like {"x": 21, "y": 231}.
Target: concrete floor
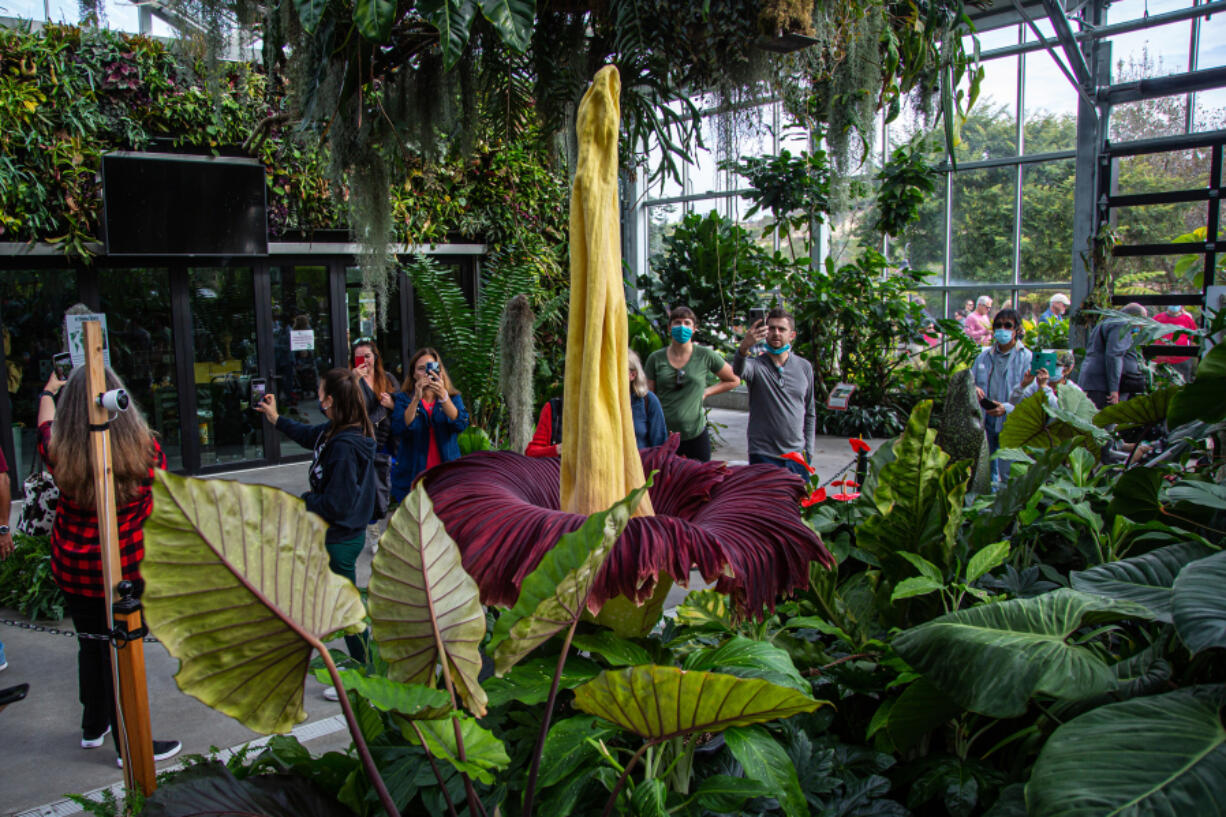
{"x": 40, "y": 756}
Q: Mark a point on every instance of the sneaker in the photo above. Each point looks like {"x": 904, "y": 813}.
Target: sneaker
{"x": 94, "y": 743}
{"x": 162, "y": 750}
{"x": 330, "y": 694}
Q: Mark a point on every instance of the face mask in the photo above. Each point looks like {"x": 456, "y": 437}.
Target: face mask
{"x": 1174, "y": 309}
{"x": 785, "y": 347}
{"x": 681, "y": 334}
{"x": 1003, "y": 336}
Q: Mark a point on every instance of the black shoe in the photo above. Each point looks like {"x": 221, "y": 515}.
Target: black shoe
{"x": 162, "y": 750}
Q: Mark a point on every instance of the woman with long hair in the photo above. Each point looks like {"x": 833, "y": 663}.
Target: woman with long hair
{"x": 377, "y": 391}
{"x": 427, "y": 419}
{"x": 342, "y": 476}
{"x": 76, "y": 552}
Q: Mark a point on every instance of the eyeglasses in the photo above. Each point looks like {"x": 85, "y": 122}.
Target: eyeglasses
{"x": 679, "y": 378}
{"x": 1004, "y": 325}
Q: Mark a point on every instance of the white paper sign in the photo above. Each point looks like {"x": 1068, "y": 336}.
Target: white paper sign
{"x": 301, "y": 340}
{"x": 840, "y": 397}
{"x": 74, "y": 327}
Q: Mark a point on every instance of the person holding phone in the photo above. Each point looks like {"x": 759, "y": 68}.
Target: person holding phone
{"x": 427, "y": 417}
{"x": 678, "y": 376}
{"x": 342, "y": 475}
{"x": 377, "y": 391}
{"x": 999, "y": 369}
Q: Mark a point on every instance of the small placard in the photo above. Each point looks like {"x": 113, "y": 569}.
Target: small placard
{"x": 74, "y": 328}
{"x": 302, "y": 340}
{"x": 840, "y": 397}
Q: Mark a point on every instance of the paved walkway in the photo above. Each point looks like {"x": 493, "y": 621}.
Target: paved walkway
{"x": 40, "y": 756}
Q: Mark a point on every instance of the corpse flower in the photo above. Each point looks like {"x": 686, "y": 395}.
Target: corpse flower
{"x": 740, "y": 527}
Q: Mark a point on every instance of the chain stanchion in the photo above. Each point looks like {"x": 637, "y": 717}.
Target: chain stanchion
{"x": 39, "y": 628}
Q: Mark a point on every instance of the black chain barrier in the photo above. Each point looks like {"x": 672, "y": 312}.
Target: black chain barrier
{"x": 837, "y": 473}
{"x": 38, "y": 628}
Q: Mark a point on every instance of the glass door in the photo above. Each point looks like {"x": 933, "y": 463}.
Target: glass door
{"x": 302, "y": 341}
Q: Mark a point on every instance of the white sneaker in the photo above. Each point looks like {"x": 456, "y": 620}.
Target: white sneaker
{"x": 330, "y": 694}
{"x": 94, "y": 743}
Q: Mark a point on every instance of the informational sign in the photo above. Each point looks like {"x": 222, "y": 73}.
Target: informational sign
{"x": 840, "y": 397}
{"x": 302, "y": 340}
{"x": 74, "y": 328}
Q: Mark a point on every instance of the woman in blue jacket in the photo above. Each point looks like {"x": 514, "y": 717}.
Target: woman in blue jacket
{"x": 342, "y": 476}
{"x": 427, "y": 419}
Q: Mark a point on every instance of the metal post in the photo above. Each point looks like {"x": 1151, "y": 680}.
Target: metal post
{"x": 1091, "y": 129}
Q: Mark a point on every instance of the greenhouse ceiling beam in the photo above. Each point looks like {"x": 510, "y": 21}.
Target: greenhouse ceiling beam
{"x": 1163, "y": 144}
{"x": 1064, "y": 33}
{"x": 1079, "y": 81}
{"x": 1187, "y": 82}
{"x": 1098, "y": 32}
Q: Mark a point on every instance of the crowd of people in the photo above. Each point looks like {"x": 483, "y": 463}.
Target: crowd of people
{"x": 378, "y": 437}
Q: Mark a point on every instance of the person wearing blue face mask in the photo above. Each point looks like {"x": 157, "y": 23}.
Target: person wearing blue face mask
{"x": 678, "y": 375}
{"x": 782, "y": 417}
{"x": 999, "y": 370}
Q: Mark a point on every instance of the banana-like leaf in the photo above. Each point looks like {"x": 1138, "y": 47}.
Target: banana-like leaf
{"x": 554, "y": 595}
{"x": 454, "y": 21}
{"x": 1141, "y": 410}
{"x": 513, "y": 20}
{"x": 657, "y": 703}
{"x": 423, "y": 603}
{"x": 409, "y": 700}
{"x": 1146, "y": 579}
{"x": 238, "y": 589}
{"x": 1199, "y": 607}
{"x": 484, "y": 754}
{"x": 1148, "y": 757}
{"x": 747, "y": 658}
{"x": 309, "y": 13}
{"x": 992, "y": 659}
{"x": 1202, "y": 398}
{"x": 374, "y": 18}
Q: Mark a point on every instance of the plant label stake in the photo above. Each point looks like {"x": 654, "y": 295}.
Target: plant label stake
{"x": 128, "y": 662}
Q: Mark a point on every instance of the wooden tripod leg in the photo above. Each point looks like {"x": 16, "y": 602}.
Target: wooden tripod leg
{"x": 134, "y": 700}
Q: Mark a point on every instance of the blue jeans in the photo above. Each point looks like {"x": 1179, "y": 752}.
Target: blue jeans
{"x": 766, "y": 459}
{"x": 999, "y": 469}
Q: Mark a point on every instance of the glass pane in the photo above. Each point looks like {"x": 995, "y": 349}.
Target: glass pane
{"x": 923, "y": 244}
{"x": 1151, "y": 52}
{"x": 1212, "y": 51}
{"x": 32, "y": 304}
{"x": 24, "y": 9}
{"x": 996, "y": 38}
{"x": 1160, "y": 223}
{"x": 1044, "y": 25}
{"x": 1047, "y": 221}
{"x": 64, "y": 11}
{"x": 1034, "y": 304}
{"x": 122, "y": 16}
{"x": 1158, "y": 274}
{"x": 1210, "y": 107}
{"x": 1163, "y": 172}
{"x": 301, "y": 340}
{"x": 137, "y": 305}
{"x": 223, "y": 328}
{"x": 963, "y": 301}
{"x": 991, "y": 130}
{"x": 363, "y": 315}
{"x": 704, "y": 176}
{"x": 741, "y": 205}
{"x": 1125, "y": 10}
{"x": 1049, "y": 106}
{"x": 661, "y": 221}
{"x": 981, "y": 242}
{"x": 1164, "y": 116}
{"x": 664, "y": 185}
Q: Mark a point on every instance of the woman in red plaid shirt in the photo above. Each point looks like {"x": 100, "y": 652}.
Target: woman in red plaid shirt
{"x": 76, "y": 556}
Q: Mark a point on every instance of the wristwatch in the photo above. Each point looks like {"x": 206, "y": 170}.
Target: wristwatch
{"x": 4, "y": 530}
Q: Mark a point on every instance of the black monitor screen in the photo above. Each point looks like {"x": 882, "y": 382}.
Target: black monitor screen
{"x": 167, "y": 204}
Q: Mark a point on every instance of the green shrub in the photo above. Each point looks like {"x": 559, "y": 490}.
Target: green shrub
{"x": 26, "y": 584}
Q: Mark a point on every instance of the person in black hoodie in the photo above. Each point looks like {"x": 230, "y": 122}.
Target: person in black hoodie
{"x": 342, "y": 477}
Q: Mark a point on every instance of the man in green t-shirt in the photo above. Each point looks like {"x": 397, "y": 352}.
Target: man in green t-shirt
{"x": 678, "y": 376}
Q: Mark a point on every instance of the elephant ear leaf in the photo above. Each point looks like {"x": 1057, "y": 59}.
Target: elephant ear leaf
{"x": 310, "y": 12}
{"x": 513, "y": 19}
{"x": 555, "y": 594}
{"x": 374, "y": 19}
{"x": 239, "y": 591}
{"x": 1139, "y": 410}
{"x": 658, "y": 703}
{"x": 423, "y": 606}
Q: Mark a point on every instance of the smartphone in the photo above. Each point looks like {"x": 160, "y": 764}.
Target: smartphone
{"x": 358, "y": 360}
{"x": 62, "y": 364}
{"x": 1046, "y": 359}
{"x": 987, "y": 404}
{"x": 432, "y": 367}
{"x": 259, "y": 388}
{"x": 756, "y": 314}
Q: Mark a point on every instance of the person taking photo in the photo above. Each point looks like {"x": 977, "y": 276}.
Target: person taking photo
{"x": 427, "y": 419}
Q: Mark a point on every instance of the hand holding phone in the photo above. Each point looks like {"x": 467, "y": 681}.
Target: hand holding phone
{"x": 61, "y": 364}
{"x": 258, "y": 388}
{"x": 988, "y": 405}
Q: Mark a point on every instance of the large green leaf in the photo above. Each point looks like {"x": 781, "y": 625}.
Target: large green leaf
{"x": 423, "y": 606}
{"x": 658, "y": 702}
{"x": 239, "y": 591}
{"x": 529, "y": 681}
{"x": 1029, "y": 425}
{"x": 921, "y": 708}
{"x": 555, "y": 594}
{"x": 513, "y": 20}
{"x": 618, "y": 651}
{"x": 725, "y": 794}
{"x": 1202, "y": 398}
{"x": 993, "y": 658}
{"x": 454, "y": 21}
{"x": 374, "y": 18}
{"x": 1015, "y": 495}
{"x": 309, "y": 13}
{"x": 747, "y": 658}
{"x": 1141, "y": 410}
{"x": 1208, "y": 494}
{"x": 209, "y": 788}
{"x": 484, "y": 754}
{"x": 764, "y": 760}
{"x": 1146, "y": 580}
{"x": 1160, "y": 756}
{"x": 1136, "y": 494}
{"x": 567, "y": 747}
{"x": 409, "y": 700}
{"x": 1199, "y": 604}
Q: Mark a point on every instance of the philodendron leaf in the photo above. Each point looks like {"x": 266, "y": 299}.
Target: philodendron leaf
{"x": 1145, "y": 579}
{"x": 513, "y": 19}
{"x": 725, "y": 794}
{"x": 1198, "y": 606}
{"x": 747, "y": 658}
{"x": 309, "y": 13}
{"x": 992, "y": 659}
{"x": 483, "y": 753}
{"x": 239, "y": 591}
{"x": 1158, "y": 755}
{"x": 422, "y": 603}
{"x": 708, "y": 609}
{"x": 1138, "y": 410}
{"x": 554, "y": 595}
{"x": 1202, "y": 398}
{"x": 374, "y": 18}
{"x": 567, "y": 747}
{"x": 209, "y": 788}
{"x": 657, "y": 702}
{"x": 409, "y": 700}
{"x": 764, "y": 760}
{"x": 618, "y": 651}
{"x": 529, "y": 681}
{"x": 454, "y": 20}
